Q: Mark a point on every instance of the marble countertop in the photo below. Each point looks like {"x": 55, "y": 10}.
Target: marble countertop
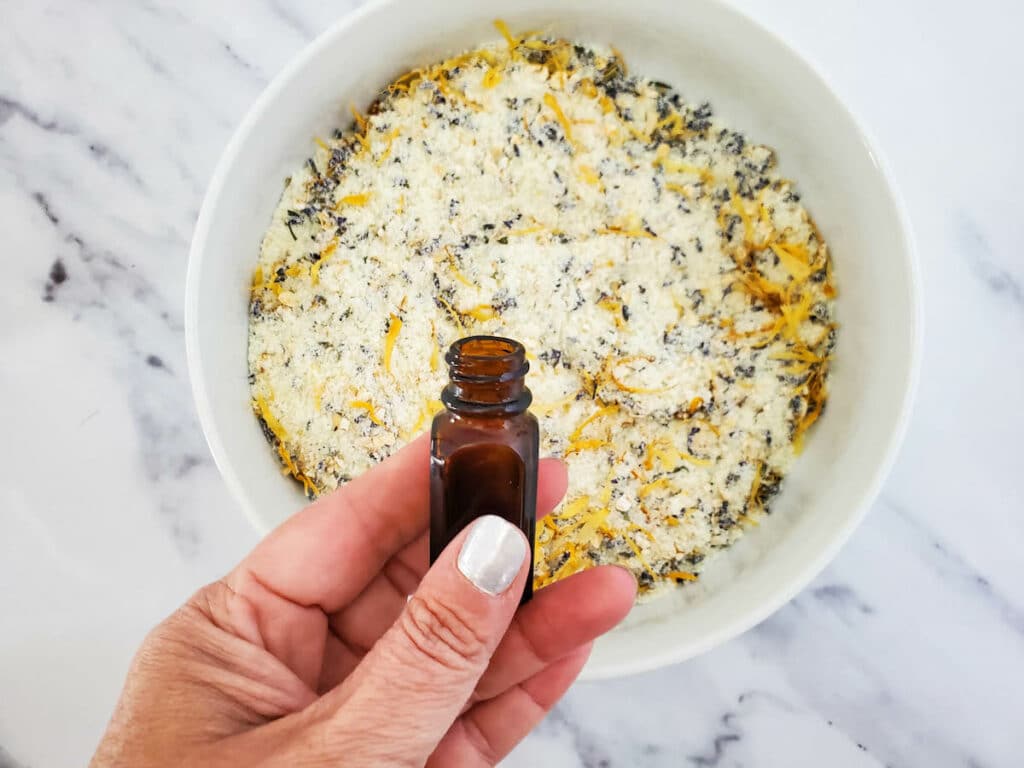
{"x": 907, "y": 651}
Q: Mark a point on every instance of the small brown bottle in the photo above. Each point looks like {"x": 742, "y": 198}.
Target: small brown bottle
{"x": 484, "y": 445}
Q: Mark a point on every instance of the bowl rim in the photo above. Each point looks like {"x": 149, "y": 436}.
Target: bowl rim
{"x": 785, "y": 591}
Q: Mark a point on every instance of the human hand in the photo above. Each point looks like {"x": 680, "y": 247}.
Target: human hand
{"x": 308, "y": 653}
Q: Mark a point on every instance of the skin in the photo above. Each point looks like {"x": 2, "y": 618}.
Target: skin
{"x": 311, "y": 653}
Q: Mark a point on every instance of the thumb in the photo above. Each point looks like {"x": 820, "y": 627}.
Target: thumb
{"x": 414, "y": 683}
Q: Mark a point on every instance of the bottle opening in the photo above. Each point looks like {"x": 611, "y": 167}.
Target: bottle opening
{"x": 486, "y": 359}
{"x": 484, "y": 372}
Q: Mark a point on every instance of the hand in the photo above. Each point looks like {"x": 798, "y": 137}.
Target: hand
{"x": 308, "y": 653}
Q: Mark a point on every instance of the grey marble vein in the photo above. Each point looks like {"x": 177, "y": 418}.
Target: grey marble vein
{"x": 724, "y": 737}
{"x": 165, "y": 13}
{"x": 842, "y": 598}
{"x": 237, "y": 58}
{"x": 107, "y": 266}
{"x": 952, "y": 565}
{"x": 590, "y": 752}
{"x": 999, "y": 279}
{"x": 286, "y": 13}
{"x": 10, "y": 108}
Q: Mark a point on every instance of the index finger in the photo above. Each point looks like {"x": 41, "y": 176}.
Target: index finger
{"x": 325, "y": 554}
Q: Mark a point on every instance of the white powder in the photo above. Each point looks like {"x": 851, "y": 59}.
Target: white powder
{"x": 657, "y": 269}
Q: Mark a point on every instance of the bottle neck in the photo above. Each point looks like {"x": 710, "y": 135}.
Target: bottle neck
{"x": 486, "y": 376}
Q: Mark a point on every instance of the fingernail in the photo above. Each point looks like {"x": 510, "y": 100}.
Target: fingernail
{"x": 492, "y": 554}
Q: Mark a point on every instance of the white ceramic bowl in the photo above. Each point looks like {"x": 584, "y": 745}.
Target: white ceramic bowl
{"x": 758, "y": 85}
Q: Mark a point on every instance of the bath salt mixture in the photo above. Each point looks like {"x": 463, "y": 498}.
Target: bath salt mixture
{"x": 674, "y": 294}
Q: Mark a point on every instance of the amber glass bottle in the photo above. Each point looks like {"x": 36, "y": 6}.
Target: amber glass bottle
{"x": 484, "y": 445}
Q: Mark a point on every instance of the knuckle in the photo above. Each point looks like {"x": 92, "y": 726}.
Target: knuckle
{"x": 441, "y": 633}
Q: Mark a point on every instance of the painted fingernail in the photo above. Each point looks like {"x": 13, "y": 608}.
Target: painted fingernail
{"x": 492, "y": 554}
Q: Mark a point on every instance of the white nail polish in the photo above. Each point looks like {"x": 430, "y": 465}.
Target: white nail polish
{"x": 492, "y": 554}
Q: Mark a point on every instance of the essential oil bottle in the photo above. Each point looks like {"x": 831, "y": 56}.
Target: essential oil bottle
{"x": 484, "y": 445}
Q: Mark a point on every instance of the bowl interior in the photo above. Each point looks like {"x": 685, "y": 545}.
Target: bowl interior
{"x": 759, "y": 86}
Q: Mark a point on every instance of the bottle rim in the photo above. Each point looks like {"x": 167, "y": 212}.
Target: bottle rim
{"x": 510, "y": 352}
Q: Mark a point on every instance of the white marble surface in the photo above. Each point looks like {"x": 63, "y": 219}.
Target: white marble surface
{"x": 907, "y": 651}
